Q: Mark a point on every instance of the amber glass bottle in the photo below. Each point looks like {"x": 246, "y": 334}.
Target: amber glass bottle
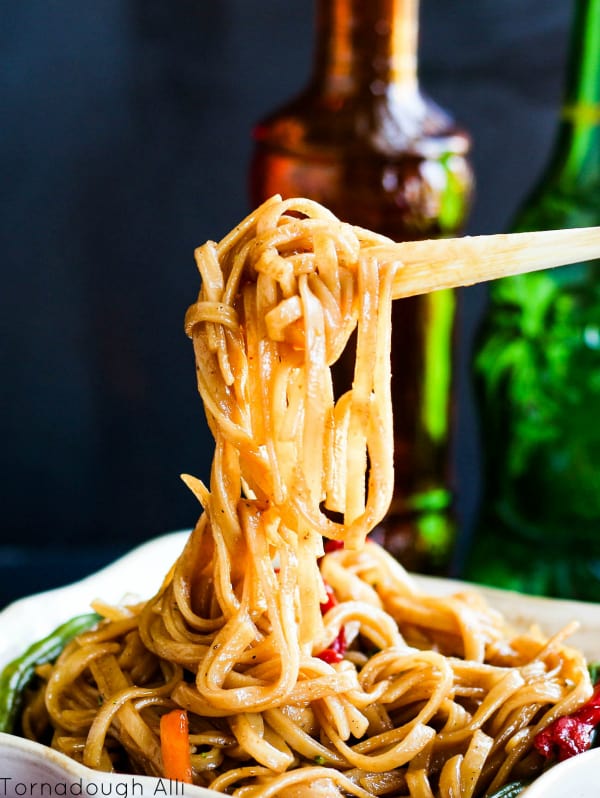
{"x": 364, "y": 140}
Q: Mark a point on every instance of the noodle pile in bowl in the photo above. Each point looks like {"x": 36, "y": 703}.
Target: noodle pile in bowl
{"x": 305, "y": 670}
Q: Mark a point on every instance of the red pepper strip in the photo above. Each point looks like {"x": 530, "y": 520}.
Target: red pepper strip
{"x": 333, "y": 545}
{"x": 335, "y": 652}
{"x": 590, "y": 711}
{"x": 175, "y": 746}
{"x": 571, "y": 734}
{"x": 331, "y": 600}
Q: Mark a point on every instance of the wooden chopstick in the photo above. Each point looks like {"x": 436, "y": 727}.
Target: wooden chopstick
{"x": 434, "y": 264}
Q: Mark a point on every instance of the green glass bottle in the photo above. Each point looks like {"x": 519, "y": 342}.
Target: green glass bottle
{"x": 537, "y": 368}
{"x": 365, "y": 141}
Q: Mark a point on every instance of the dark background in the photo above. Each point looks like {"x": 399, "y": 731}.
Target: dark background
{"x": 124, "y": 143}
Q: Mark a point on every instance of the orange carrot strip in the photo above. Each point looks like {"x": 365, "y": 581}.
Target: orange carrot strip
{"x": 175, "y": 745}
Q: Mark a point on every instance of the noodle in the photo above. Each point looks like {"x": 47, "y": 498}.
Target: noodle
{"x": 304, "y": 671}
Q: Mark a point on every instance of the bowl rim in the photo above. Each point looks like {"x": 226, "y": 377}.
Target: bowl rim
{"x": 557, "y": 781}
{"x": 60, "y": 769}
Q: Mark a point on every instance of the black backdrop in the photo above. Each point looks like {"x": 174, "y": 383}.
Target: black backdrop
{"x": 124, "y": 142}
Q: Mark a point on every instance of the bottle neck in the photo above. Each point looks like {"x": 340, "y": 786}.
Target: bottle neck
{"x": 579, "y": 134}
{"x": 366, "y": 45}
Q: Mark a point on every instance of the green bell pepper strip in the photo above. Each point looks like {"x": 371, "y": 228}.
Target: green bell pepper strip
{"x": 18, "y": 673}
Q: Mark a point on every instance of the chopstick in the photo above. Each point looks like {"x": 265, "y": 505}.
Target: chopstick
{"x": 434, "y": 264}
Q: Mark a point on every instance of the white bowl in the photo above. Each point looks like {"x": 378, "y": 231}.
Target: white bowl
{"x": 140, "y": 573}
{"x": 578, "y": 777}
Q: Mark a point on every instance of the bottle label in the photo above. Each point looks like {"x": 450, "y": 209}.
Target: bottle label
{"x": 582, "y": 113}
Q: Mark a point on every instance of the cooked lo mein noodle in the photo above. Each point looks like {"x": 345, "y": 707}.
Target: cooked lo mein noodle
{"x": 304, "y": 670}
